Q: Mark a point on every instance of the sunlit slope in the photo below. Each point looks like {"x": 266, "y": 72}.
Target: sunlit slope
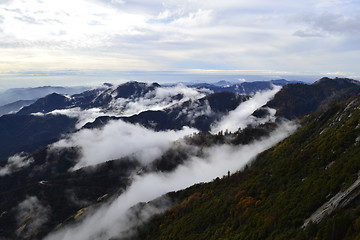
{"x": 284, "y": 186}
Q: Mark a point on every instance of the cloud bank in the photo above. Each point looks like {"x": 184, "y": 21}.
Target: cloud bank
{"x": 15, "y": 163}
{"x": 111, "y": 220}
{"x": 83, "y": 115}
{"x": 120, "y": 139}
{"x": 241, "y": 116}
{"x": 179, "y": 35}
{"x": 30, "y": 216}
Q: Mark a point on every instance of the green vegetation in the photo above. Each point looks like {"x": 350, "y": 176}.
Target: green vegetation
{"x": 273, "y": 197}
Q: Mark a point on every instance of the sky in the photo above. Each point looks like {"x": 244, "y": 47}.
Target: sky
{"x": 50, "y": 41}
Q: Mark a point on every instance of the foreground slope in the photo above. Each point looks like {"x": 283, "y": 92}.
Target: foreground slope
{"x": 285, "y": 185}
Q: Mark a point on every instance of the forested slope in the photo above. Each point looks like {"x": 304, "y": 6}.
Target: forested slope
{"x": 285, "y": 185}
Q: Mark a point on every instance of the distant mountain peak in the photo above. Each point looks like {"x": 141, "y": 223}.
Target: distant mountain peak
{"x": 280, "y": 81}
{"x": 47, "y": 104}
{"x": 297, "y": 100}
{"x": 223, "y": 83}
{"x": 135, "y": 89}
{"x": 337, "y": 80}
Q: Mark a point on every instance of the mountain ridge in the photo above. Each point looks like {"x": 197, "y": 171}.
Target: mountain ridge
{"x": 297, "y": 100}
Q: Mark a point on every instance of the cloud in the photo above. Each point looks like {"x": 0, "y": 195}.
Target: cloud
{"x": 30, "y": 216}
{"x": 194, "y": 19}
{"x": 83, "y": 115}
{"x": 112, "y": 219}
{"x": 331, "y": 23}
{"x": 118, "y": 1}
{"x": 307, "y": 33}
{"x": 118, "y": 139}
{"x": 332, "y": 3}
{"x": 170, "y": 35}
{"x": 15, "y": 163}
{"x": 59, "y": 24}
{"x": 241, "y": 116}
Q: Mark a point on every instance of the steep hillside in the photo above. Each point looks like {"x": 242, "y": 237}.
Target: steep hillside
{"x": 285, "y": 185}
{"x": 29, "y": 133}
{"x": 297, "y": 100}
{"x": 14, "y": 107}
{"x": 47, "y": 104}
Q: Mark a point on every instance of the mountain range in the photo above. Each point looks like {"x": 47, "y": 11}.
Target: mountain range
{"x": 157, "y": 107}
{"x": 67, "y": 160}
{"x": 32, "y": 93}
{"x": 247, "y": 88}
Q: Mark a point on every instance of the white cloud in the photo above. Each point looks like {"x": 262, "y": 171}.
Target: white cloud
{"x": 174, "y": 35}
{"x": 118, "y": 139}
{"x": 307, "y": 33}
{"x": 66, "y": 23}
{"x": 31, "y": 214}
{"x": 83, "y": 115}
{"x": 194, "y": 19}
{"x": 241, "y": 116}
{"x": 331, "y": 3}
{"x": 332, "y": 23}
{"x": 15, "y": 163}
{"x": 118, "y": 1}
{"x": 111, "y": 220}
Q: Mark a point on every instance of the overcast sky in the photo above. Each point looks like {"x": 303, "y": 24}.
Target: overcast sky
{"x": 277, "y": 38}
